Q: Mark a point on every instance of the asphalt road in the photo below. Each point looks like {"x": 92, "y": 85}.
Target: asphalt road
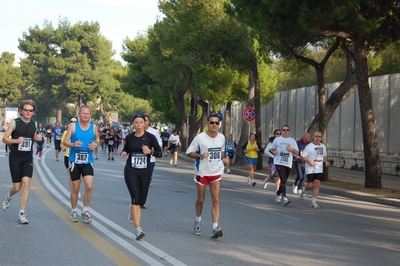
{"x": 257, "y": 231}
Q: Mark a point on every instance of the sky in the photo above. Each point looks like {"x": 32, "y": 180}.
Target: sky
{"x": 118, "y": 19}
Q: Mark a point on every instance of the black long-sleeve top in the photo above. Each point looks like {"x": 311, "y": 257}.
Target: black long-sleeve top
{"x": 133, "y": 147}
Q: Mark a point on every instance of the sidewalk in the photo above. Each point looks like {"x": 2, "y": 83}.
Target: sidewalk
{"x": 340, "y": 174}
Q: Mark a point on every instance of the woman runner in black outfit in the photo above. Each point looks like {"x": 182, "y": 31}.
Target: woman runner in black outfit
{"x": 139, "y": 146}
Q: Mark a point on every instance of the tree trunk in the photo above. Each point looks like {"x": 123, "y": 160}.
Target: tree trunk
{"x": 247, "y": 126}
{"x": 227, "y": 119}
{"x": 373, "y": 170}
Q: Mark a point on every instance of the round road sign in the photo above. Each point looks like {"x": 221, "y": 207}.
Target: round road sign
{"x": 249, "y": 114}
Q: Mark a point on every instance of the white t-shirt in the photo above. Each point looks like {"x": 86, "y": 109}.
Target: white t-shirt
{"x": 125, "y": 132}
{"x": 284, "y": 157}
{"x": 157, "y": 135}
{"x": 315, "y": 153}
{"x": 213, "y": 165}
{"x": 174, "y": 139}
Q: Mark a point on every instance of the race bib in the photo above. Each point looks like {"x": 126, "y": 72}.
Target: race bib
{"x": 26, "y": 145}
{"x": 139, "y": 160}
{"x": 215, "y": 155}
{"x": 284, "y": 158}
{"x": 82, "y": 157}
{"x": 110, "y": 142}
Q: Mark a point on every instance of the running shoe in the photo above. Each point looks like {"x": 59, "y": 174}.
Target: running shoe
{"x": 295, "y": 188}
{"x": 139, "y": 233}
{"x": 22, "y": 218}
{"x": 73, "y": 217}
{"x": 197, "y": 228}
{"x": 277, "y": 198}
{"x": 302, "y": 194}
{"x": 285, "y": 202}
{"x": 217, "y": 232}
{"x": 314, "y": 205}
{"x": 86, "y": 217}
{"x": 6, "y": 203}
{"x": 265, "y": 183}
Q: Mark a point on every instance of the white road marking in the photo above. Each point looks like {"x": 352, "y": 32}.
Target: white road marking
{"x": 128, "y": 246}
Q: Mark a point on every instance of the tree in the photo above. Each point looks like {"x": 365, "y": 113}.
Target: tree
{"x": 70, "y": 61}
{"x": 10, "y": 79}
{"x": 313, "y": 21}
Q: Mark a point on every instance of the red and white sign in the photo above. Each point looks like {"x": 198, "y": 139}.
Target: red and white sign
{"x": 249, "y": 114}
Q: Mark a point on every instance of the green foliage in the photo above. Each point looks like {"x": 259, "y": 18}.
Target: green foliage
{"x": 69, "y": 62}
{"x": 10, "y": 79}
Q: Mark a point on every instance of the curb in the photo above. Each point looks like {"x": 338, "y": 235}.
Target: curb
{"x": 326, "y": 189}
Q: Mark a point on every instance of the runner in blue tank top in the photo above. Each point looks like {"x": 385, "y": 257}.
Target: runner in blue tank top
{"x": 82, "y": 138}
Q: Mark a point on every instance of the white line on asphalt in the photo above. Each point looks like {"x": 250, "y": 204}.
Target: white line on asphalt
{"x": 105, "y": 220}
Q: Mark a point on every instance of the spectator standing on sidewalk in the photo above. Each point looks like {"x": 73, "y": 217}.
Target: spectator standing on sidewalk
{"x": 315, "y": 156}
{"x": 23, "y": 132}
{"x": 208, "y": 148}
{"x": 284, "y": 147}
{"x": 299, "y": 164}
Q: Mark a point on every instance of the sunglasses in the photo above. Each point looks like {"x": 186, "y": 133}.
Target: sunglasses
{"x": 28, "y": 110}
{"x": 213, "y": 123}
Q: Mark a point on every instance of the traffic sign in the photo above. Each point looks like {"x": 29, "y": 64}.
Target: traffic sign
{"x": 249, "y": 114}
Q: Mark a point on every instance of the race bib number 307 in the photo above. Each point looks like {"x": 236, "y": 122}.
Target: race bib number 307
{"x": 215, "y": 155}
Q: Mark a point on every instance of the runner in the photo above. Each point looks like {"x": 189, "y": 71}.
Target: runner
{"x": 82, "y": 137}
{"x": 49, "y": 134}
{"x": 139, "y": 146}
{"x": 208, "y": 148}
{"x": 39, "y": 144}
{"x": 58, "y": 130}
{"x": 165, "y": 137}
{"x": 23, "y": 133}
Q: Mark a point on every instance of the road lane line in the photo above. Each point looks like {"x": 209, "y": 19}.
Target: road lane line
{"x": 95, "y": 240}
{"x": 159, "y": 253}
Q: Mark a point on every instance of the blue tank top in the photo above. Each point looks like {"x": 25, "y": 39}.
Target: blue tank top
{"x": 82, "y": 155}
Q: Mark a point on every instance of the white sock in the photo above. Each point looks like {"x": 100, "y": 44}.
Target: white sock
{"x": 313, "y": 200}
